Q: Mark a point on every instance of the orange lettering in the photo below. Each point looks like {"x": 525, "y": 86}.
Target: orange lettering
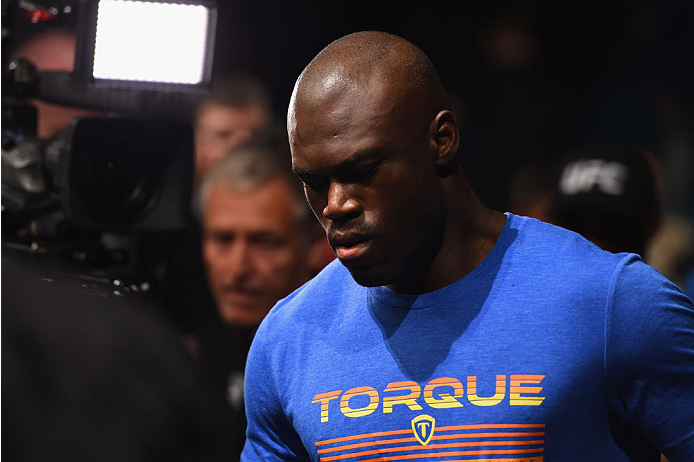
{"x": 486, "y": 401}
{"x": 359, "y": 412}
{"x": 444, "y": 400}
{"x": 515, "y": 398}
{"x": 324, "y": 400}
{"x": 409, "y": 400}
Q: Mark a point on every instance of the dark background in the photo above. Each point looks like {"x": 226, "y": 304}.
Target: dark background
{"x": 617, "y": 70}
{"x": 562, "y": 73}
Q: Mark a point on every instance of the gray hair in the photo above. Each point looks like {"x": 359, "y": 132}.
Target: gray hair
{"x": 253, "y": 164}
{"x": 237, "y": 91}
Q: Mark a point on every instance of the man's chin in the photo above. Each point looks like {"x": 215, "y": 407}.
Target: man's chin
{"x": 235, "y": 314}
{"x": 370, "y": 277}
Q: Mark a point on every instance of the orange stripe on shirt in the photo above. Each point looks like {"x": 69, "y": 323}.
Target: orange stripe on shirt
{"x": 534, "y": 458}
{"x": 445, "y": 446}
{"x": 435, "y": 437}
{"x": 449, "y": 454}
{"x": 438, "y": 429}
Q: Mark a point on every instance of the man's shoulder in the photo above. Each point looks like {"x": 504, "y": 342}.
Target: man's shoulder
{"x": 543, "y": 238}
{"x": 542, "y": 230}
{"x": 320, "y": 296}
{"x": 555, "y": 253}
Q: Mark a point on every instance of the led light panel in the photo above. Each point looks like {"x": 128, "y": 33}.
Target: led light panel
{"x": 150, "y": 42}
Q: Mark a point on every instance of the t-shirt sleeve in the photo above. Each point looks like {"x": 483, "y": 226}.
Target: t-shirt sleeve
{"x": 649, "y": 358}
{"x": 269, "y": 435}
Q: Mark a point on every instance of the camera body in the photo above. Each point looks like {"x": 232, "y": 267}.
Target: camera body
{"x": 127, "y": 174}
{"x": 109, "y": 182}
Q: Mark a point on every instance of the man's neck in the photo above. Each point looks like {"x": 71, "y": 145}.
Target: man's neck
{"x": 470, "y": 233}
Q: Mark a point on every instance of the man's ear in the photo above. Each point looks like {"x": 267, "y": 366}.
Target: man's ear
{"x": 444, "y": 138}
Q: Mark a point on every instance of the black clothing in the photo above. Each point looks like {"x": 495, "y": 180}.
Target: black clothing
{"x": 87, "y": 377}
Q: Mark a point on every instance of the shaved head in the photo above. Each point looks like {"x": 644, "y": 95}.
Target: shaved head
{"x": 386, "y": 65}
{"x": 374, "y": 142}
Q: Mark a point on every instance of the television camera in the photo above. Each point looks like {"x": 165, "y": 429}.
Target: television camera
{"x": 101, "y": 199}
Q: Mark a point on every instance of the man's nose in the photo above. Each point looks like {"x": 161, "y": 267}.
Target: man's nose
{"x": 239, "y": 261}
{"x": 341, "y": 205}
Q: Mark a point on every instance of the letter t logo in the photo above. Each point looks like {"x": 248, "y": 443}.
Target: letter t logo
{"x": 423, "y": 428}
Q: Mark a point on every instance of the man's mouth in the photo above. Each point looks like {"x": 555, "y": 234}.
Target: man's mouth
{"x": 240, "y": 296}
{"x": 348, "y": 247}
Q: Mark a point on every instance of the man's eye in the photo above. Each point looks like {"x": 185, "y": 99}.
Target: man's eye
{"x": 314, "y": 184}
{"x": 368, "y": 171}
{"x": 267, "y": 241}
{"x": 221, "y": 239}
{"x": 223, "y": 134}
{"x": 362, "y": 174}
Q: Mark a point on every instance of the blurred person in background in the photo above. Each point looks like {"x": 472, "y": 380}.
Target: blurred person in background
{"x": 671, "y": 250}
{"x": 613, "y": 195}
{"x": 531, "y": 189}
{"x": 52, "y": 50}
{"x": 518, "y": 108}
{"x": 34, "y": 135}
{"x": 609, "y": 193}
{"x": 235, "y": 109}
{"x": 260, "y": 242}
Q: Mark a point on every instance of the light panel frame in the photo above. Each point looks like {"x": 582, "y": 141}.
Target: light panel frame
{"x": 115, "y": 64}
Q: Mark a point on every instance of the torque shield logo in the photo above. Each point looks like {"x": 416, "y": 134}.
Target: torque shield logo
{"x": 423, "y": 428}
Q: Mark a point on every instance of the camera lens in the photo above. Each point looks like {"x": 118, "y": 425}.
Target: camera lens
{"x": 116, "y": 186}
{"x": 117, "y": 191}
{"x": 125, "y": 174}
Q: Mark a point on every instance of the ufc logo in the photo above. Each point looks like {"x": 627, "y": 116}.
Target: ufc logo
{"x": 584, "y": 175}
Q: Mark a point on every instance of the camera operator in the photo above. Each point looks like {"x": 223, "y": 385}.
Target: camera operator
{"x": 36, "y": 136}
{"x": 52, "y": 50}
{"x": 92, "y": 374}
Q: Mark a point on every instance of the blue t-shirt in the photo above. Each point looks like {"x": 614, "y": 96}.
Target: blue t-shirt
{"x": 550, "y": 348}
